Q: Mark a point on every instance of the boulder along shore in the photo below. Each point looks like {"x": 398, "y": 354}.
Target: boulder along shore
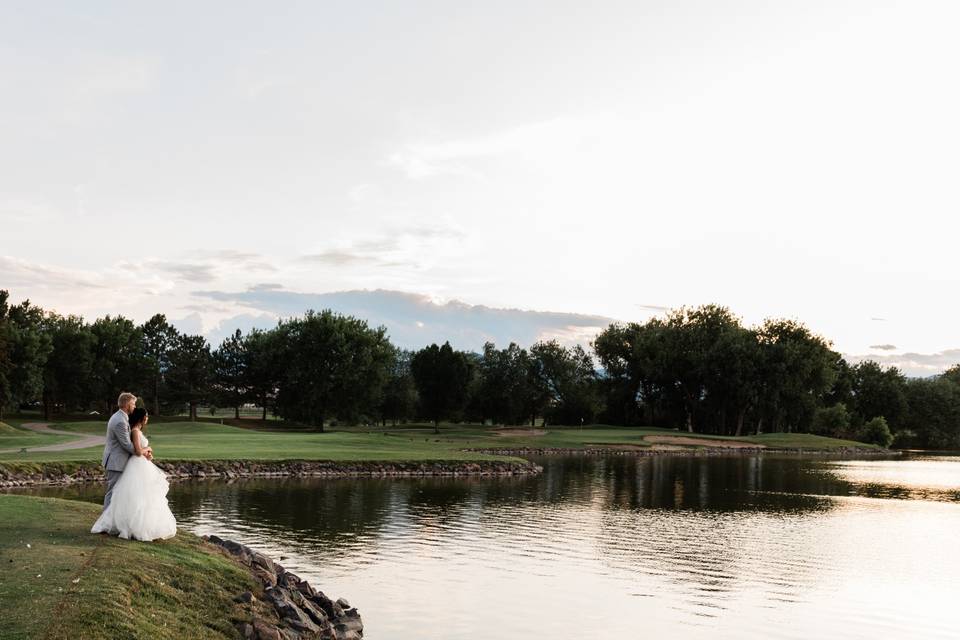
{"x": 289, "y": 608}
{"x": 25, "y": 474}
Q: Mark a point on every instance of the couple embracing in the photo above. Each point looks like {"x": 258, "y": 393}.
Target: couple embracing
{"x": 135, "y": 505}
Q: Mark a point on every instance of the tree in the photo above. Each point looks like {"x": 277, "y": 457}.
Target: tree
{"x": 188, "y": 378}
{"x": 876, "y": 431}
{"x": 264, "y": 367}
{"x": 878, "y": 392}
{"x": 832, "y": 421}
{"x": 6, "y": 363}
{"x": 441, "y": 376}
{"x": 505, "y": 394}
{"x": 67, "y": 368}
{"x": 734, "y": 377}
{"x": 158, "y": 337}
{"x": 565, "y": 380}
{"x": 399, "y": 392}
{"x": 230, "y": 372}
{"x": 633, "y": 358}
{"x": 334, "y": 366}
{"x": 933, "y": 414}
{"x": 691, "y": 338}
{"x": 24, "y": 348}
{"x": 118, "y": 362}
{"x": 797, "y": 371}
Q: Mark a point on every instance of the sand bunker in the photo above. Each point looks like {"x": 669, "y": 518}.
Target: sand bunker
{"x": 702, "y": 442}
{"x": 617, "y": 447}
{"x": 520, "y": 432}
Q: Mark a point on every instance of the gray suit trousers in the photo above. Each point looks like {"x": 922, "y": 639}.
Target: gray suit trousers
{"x": 112, "y": 477}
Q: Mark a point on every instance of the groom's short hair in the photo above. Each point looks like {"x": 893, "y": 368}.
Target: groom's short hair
{"x": 124, "y": 398}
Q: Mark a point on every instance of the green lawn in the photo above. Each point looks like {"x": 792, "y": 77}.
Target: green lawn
{"x": 69, "y": 583}
{"x": 12, "y": 437}
{"x": 207, "y": 441}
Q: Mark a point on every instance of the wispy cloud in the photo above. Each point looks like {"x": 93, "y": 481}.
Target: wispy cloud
{"x": 653, "y": 307}
{"x": 189, "y": 271}
{"x": 209, "y": 268}
{"x": 398, "y": 247}
{"x": 884, "y": 347}
{"x": 15, "y": 272}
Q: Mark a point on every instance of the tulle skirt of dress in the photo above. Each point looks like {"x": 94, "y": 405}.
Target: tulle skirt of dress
{"x": 138, "y": 508}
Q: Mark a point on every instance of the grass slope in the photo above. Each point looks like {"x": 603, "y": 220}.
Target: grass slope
{"x": 70, "y": 583}
{"x": 15, "y": 437}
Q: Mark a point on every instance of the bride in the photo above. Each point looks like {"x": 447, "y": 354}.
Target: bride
{"x": 139, "y": 508}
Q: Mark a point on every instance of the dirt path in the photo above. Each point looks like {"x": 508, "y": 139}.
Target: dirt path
{"x": 702, "y": 442}
{"x": 82, "y": 442}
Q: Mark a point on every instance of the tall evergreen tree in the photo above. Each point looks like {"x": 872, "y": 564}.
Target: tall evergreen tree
{"x": 230, "y": 372}
{"x": 158, "y": 338}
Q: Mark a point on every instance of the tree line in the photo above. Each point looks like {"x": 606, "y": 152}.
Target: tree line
{"x": 698, "y": 369}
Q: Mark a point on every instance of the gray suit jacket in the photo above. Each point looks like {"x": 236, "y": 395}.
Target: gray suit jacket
{"x": 119, "y": 447}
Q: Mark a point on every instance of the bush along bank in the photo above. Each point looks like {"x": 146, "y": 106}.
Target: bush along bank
{"x": 291, "y": 609}
{"x": 22, "y": 474}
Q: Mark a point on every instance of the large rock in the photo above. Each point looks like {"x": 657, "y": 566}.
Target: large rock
{"x": 304, "y": 612}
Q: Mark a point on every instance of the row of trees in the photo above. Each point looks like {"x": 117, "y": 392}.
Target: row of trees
{"x": 698, "y": 369}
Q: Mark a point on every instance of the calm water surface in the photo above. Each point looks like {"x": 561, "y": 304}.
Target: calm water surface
{"x": 738, "y": 547}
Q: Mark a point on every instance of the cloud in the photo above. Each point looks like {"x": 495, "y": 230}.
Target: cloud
{"x": 15, "y": 272}
{"x": 919, "y": 365}
{"x": 189, "y": 271}
{"x": 879, "y": 319}
{"x": 414, "y": 320}
{"x": 266, "y": 286}
{"x": 209, "y": 268}
{"x": 653, "y": 307}
{"x": 191, "y": 324}
{"x": 398, "y": 247}
{"x": 245, "y": 322}
{"x": 884, "y": 347}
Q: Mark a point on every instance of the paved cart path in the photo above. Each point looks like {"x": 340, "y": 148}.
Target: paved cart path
{"x": 82, "y": 442}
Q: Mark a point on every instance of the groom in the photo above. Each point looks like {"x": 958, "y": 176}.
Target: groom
{"x": 118, "y": 448}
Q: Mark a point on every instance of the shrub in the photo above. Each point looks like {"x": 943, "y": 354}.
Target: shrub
{"x": 876, "y": 431}
{"x": 831, "y": 421}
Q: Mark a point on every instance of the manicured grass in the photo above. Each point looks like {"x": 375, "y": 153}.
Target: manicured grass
{"x": 11, "y": 437}
{"x": 207, "y": 441}
{"x": 70, "y": 583}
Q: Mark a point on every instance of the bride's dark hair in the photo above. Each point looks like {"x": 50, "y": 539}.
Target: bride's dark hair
{"x": 137, "y": 417}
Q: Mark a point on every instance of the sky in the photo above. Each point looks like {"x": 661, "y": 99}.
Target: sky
{"x": 498, "y": 170}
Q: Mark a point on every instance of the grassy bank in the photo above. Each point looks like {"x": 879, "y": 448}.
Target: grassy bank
{"x": 60, "y": 581}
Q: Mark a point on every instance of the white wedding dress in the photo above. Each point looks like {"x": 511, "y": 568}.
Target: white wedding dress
{"x": 139, "y": 508}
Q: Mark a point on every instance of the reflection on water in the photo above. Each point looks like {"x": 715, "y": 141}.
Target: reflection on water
{"x": 605, "y": 547}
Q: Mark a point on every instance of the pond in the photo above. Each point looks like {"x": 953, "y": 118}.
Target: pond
{"x": 605, "y": 547}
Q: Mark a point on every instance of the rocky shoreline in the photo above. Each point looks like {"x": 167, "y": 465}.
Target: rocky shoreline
{"x": 16, "y": 474}
{"x": 288, "y": 608}
{"x": 58, "y": 473}
{"x": 653, "y": 451}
